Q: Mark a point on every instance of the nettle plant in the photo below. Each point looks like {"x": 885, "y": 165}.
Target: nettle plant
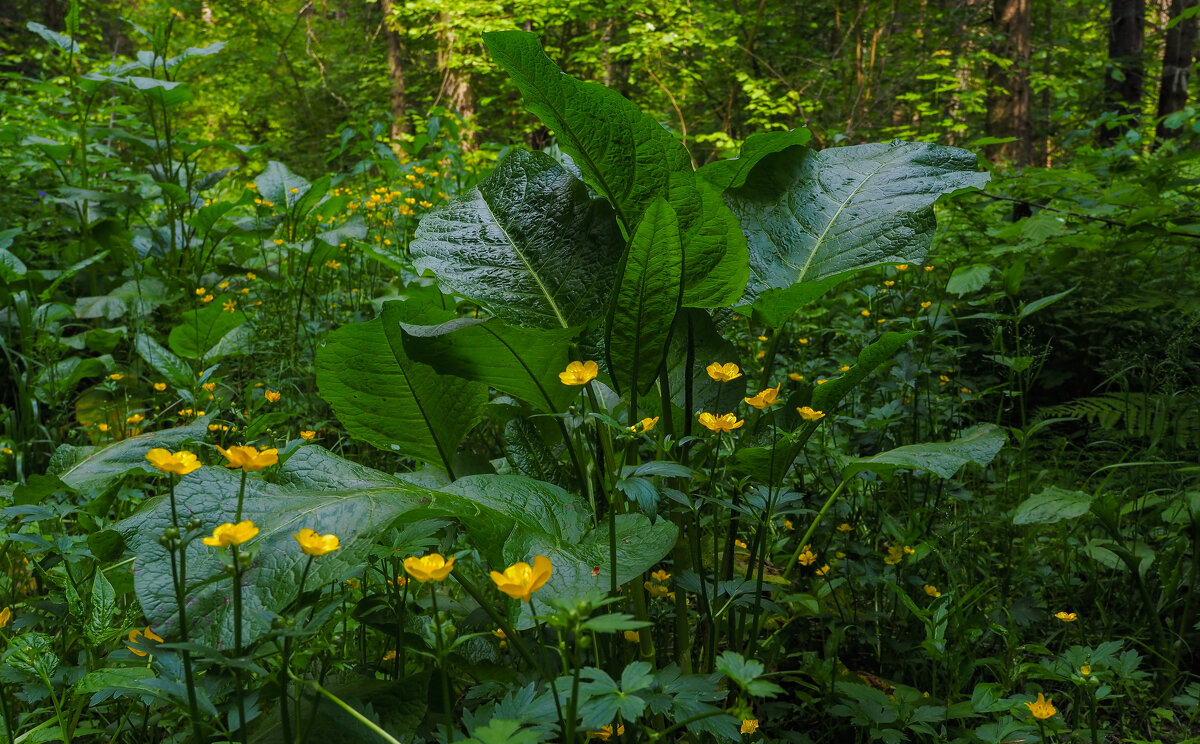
{"x": 583, "y": 310}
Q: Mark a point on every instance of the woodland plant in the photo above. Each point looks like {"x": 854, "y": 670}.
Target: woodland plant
{"x": 624, "y": 390}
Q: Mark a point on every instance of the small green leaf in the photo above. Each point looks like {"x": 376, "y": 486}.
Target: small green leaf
{"x": 978, "y": 445}
{"x": 968, "y": 279}
{"x": 646, "y": 300}
{"x": 1052, "y": 504}
{"x": 730, "y": 174}
{"x": 103, "y": 610}
{"x": 203, "y": 333}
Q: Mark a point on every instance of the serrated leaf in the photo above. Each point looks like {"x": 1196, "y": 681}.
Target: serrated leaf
{"x": 390, "y": 401}
{"x": 646, "y": 300}
{"x": 523, "y": 362}
{"x": 1052, "y": 504}
{"x": 978, "y": 445}
{"x": 630, "y": 159}
{"x": 528, "y": 243}
{"x": 103, "y": 609}
{"x": 808, "y": 214}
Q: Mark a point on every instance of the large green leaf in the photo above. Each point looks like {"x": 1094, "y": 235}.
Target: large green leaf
{"x": 774, "y": 307}
{"x": 631, "y": 160}
{"x": 275, "y": 185}
{"x": 509, "y": 518}
{"x": 979, "y": 445}
{"x": 177, "y": 372}
{"x": 523, "y": 362}
{"x": 1052, "y": 504}
{"x": 879, "y": 351}
{"x": 84, "y": 468}
{"x": 729, "y": 174}
{"x": 809, "y": 214}
{"x": 384, "y": 398}
{"x": 646, "y": 300}
{"x": 528, "y": 243}
{"x": 210, "y": 332}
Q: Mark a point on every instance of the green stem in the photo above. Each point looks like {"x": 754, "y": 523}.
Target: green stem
{"x": 441, "y": 653}
{"x": 180, "y": 579}
{"x": 241, "y": 495}
{"x": 237, "y": 633}
{"x": 813, "y": 527}
{"x": 346, "y": 707}
{"x": 553, "y": 687}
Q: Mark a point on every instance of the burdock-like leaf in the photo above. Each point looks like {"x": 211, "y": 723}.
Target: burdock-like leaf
{"x": 646, "y": 300}
{"x": 810, "y": 214}
{"x": 631, "y": 160}
{"x": 528, "y": 243}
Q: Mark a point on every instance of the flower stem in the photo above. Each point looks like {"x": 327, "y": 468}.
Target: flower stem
{"x": 241, "y": 496}
{"x": 549, "y": 680}
{"x": 348, "y": 708}
{"x": 180, "y": 582}
{"x": 237, "y": 630}
{"x": 441, "y": 653}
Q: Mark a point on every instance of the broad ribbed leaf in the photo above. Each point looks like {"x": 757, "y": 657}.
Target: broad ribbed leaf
{"x": 979, "y": 445}
{"x": 523, "y": 362}
{"x": 630, "y": 159}
{"x": 275, "y": 185}
{"x": 646, "y": 300}
{"x": 809, "y": 214}
{"x": 384, "y": 398}
{"x": 177, "y": 372}
{"x": 87, "y": 468}
{"x": 509, "y": 518}
{"x": 200, "y": 332}
{"x": 528, "y": 454}
{"x": 528, "y": 243}
{"x": 729, "y": 174}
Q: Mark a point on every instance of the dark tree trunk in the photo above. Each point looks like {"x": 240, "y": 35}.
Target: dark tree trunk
{"x": 398, "y": 102}
{"x": 456, "y": 81}
{"x": 1177, "y": 66}
{"x": 1126, "y": 76}
{"x": 1010, "y": 112}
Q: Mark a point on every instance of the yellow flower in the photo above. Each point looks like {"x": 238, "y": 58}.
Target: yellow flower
{"x": 432, "y": 567}
{"x": 136, "y": 418}
{"x": 965, "y": 390}
{"x": 865, "y": 313}
{"x": 822, "y": 381}
{"x": 313, "y": 544}
{"x": 294, "y": 190}
{"x": 229, "y": 306}
{"x": 795, "y": 376}
{"x": 660, "y": 576}
{"x": 102, "y": 427}
{"x": 822, "y": 570}
{"x": 334, "y": 265}
{"x": 909, "y": 550}
{"x": 723, "y": 372}
{"x": 932, "y": 591}
{"x": 633, "y": 636}
{"x": 160, "y": 386}
{"x": 5, "y": 617}
{"x": 741, "y": 544}
{"x": 272, "y": 395}
{"x": 895, "y": 555}
{"x": 727, "y": 422}
{"x": 788, "y": 524}
{"x": 520, "y": 580}
{"x": 249, "y": 458}
{"x": 901, "y": 267}
{"x": 308, "y": 435}
{"x": 605, "y": 733}
{"x": 209, "y": 386}
{"x": 804, "y": 341}
{"x": 807, "y": 557}
{"x": 579, "y": 373}
{"x": 655, "y": 590}
{"x": 644, "y": 426}
{"x": 889, "y": 283}
{"x": 136, "y": 635}
{"x": 201, "y": 291}
{"x": 764, "y": 398}
{"x": 388, "y": 656}
{"x": 231, "y": 534}
{"x": 425, "y": 204}
{"x": 808, "y": 414}
{"x": 207, "y": 298}
{"x": 115, "y": 376}
{"x": 223, "y": 285}
{"x": 1085, "y": 670}
{"x": 929, "y": 268}
{"x": 844, "y": 527}
{"x": 749, "y": 726}
{"x": 925, "y": 305}
{"x": 1066, "y": 617}
{"x": 1042, "y": 708}
{"x": 179, "y": 463}
{"x": 251, "y": 275}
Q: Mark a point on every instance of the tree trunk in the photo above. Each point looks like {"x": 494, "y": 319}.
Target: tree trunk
{"x": 1125, "y": 79}
{"x": 398, "y": 102}
{"x": 1010, "y": 111}
{"x": 1177, "y": 66}
{"x": 456, "y": 82}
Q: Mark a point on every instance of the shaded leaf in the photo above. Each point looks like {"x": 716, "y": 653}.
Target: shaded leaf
{"x": 1052, "y": 504}
{"x": 978, "y": 445}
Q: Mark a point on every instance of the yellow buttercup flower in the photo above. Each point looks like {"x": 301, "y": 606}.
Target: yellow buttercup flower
{"x": 808, "y": 414}
{"x": 1067, "y": 617}
{"x": 136, "y": 635}
{"x": 249, "y": 458}
{"x": 579, "y": 373}
{"x": 179, "y": 463}
{"x": 749, "y": 726}
{"x": 764, "y": 398}
{"x": 5, "y": 617}
{"x": 229, "y": 306}
{"x": 865, "y": 313}
{"x": 723, "y": 372}
{"x": 925, "y": 305}
{"x": 273, "y": 395}
{"x": 313, "y": 544}
{"x": 308, "y": 435}
{"x": 633, "y": 636}
{"x": 895, "y": 554}
{"x": 209, "y": 386}
{"x": 201, "y": 291}
{"x": 605, "y": 733}
{"x": 789, "y": 524}
{"x": 1042, "y": 708}
{"x": 822, "y": 570}
{"x": 1085, "y": 670}
{"x": 727, "y": 422}
{"x": 889, "y": 283}
{"x": 207, "y": 299}
{"x": 932, "y": 591}
{"x": 231, "y": 534}
{"x": 795, "y": 376}
{"x": 807, "y": 557}
{"x": 136, "y": 418}
{"x": 160, "y": 386}
{"x": 432, "y": 567}
{"x": 901, "y": 267}
{"x": 521, "y": 580}
{"x": 844, "y": 527}
{"x": 644, "y": 426}
{"x": 660, "y": 576}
